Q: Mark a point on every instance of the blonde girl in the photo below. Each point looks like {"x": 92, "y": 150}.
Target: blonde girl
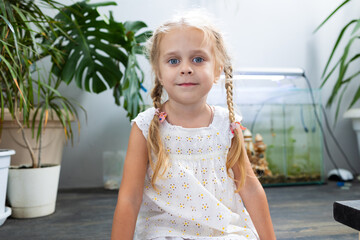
{"x": 186, "y": 172}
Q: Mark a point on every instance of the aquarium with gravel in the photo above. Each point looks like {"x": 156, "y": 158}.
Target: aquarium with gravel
{"x": 281, "y": 113}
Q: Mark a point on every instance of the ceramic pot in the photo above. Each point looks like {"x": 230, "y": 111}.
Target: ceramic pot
{"x": 354, "y": 114}
{"x": 32, "y": 192}
{"x": 5, "y": 156}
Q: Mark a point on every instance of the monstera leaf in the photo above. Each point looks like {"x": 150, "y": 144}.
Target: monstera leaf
{"x": 99, "y": 53}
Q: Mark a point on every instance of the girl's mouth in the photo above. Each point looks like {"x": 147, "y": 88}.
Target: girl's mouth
{"x": 187, "y": 84}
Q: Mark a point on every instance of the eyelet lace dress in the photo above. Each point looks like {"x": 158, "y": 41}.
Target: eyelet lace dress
{"x": 195, "y": 197}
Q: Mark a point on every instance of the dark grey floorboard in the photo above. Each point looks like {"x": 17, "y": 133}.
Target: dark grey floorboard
{"x": 298, "y": 212}
{"x": 305, "y": 212}
{"x": 80, "y": 214}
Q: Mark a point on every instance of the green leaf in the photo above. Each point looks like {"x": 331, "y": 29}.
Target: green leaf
{"x": 336, "y": 45}
{"x": 80, "y": 71}
{"x": 143, "y": 37}
{"x": 27, "y": 25}
{"x": 114, "y": 52}
{"x": 40, "y": 126}
{"x": 339, "y": 103}
{"x": 51, "y": 89}
{"x": 346, "y": 52}
{"x": 339, "y": 7}
{"x": 134, "y": 26}
{"x": 68, "y": 72}
{"x": 356, "y": 98}
{"x": 343, "y": 68}
{"x": 98, "y": 85}
{"x": 351, "y": 77}
{"x": 33, "y": 122}
{"x": 9, "y": 66}
{"x": 14, "y": 34}
{"x": 330, "y": 73}
{"x": 357, "y": 27}
{"x": 103, "y": 4}
{"x": 3, "y": 10}
{"x": 117, "y": 93}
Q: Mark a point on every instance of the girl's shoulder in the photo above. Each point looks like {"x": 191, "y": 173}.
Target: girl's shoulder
{"x": 222, "y": 114}
{"x": 222, "y": 121}
{"x": 143, "y": 120}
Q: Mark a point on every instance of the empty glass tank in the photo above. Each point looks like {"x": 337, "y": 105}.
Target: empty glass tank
{"x": 278, "y": 105}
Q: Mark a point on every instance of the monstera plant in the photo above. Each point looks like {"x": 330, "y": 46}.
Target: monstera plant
{"x": 100, "y": 53}
{"x": 346, "y": 65}
{"x": 96, "y": 51}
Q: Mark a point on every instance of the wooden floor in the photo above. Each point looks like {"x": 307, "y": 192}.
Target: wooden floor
{"x": 298, "y": 212}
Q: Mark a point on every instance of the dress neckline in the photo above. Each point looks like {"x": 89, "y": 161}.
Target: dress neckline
{"x": 213, "y": 108}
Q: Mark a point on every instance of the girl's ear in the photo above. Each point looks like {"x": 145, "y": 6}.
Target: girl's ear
{"x": 218, "y": 73}
{"x": 158, "y": 76}
{"x": 221, "y": 70}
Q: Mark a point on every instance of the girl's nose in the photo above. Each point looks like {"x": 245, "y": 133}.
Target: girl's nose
{"x": 186, "y": 70}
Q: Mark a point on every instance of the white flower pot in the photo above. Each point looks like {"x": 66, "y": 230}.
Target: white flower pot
{"x": 354, "y": 114}
{"x": 5, "y": 156}
{"x": 32, "y": 192}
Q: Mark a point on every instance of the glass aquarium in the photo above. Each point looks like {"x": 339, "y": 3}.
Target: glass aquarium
{"x": 281, "y": 113}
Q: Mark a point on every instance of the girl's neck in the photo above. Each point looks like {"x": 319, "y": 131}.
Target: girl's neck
{"x": 188, "y": 116}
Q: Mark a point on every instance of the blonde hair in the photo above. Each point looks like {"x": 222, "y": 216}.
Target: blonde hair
{"x": 155, "y": 146}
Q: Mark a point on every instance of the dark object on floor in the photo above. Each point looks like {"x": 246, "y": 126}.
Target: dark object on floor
{"x": 348, "y": 213}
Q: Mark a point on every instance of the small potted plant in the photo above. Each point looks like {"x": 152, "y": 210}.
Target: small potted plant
{"x": 4, "y": 170}
{"x": 32, "y": 102}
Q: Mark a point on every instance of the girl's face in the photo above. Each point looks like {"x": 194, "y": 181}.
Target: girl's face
{"x": 186, "y": 65}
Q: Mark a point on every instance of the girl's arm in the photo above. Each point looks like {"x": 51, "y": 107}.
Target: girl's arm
{"x": 131, "y": 188}
{"x": 254, "y": 199}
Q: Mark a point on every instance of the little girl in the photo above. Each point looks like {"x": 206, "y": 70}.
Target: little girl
{"x": 186, "y": 172}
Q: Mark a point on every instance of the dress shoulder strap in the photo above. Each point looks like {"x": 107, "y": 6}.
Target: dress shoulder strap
{"x": 222, "y": 120}
{"x": 143, "y": 120}
{"x": 223, "y": 115}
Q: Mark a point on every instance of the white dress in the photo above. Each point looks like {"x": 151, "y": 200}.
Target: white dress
{"x": 196, "y": 198}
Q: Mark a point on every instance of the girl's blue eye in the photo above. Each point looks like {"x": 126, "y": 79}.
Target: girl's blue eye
{"x": 173, "y": 61}
{"x": 198, "y": 60}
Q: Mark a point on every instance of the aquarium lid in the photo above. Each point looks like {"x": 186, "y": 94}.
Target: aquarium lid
{"x": 279, "y": 75}
{"x": 270, "y": 85}
{"x": 290, "y": 78}
{"x": 270, "y": 71}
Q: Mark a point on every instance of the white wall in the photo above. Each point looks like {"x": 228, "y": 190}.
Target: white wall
{"x": 267, "y": 33}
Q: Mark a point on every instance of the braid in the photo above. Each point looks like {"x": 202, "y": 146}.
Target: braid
{"x": 229, "y": 92}
{"x": 154, "y": 143}
{"x": 235, "y": 155}
{"x": 157, "y": 93}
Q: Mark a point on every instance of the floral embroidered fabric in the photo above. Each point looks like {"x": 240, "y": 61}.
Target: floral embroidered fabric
{"x": 196, "y": 197}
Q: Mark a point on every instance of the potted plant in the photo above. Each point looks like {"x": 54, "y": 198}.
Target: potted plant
{"x": 31, "y": 103}
{"x": 346, "y": 72}
{"x": 345, "y": 75}
{"x": 101, "y": 49}
{"x": 27, "y": 36}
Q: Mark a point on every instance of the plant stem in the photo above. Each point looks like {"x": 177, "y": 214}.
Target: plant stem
{"x": 39, "y": 157}
{"x": 32, "y": 155}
